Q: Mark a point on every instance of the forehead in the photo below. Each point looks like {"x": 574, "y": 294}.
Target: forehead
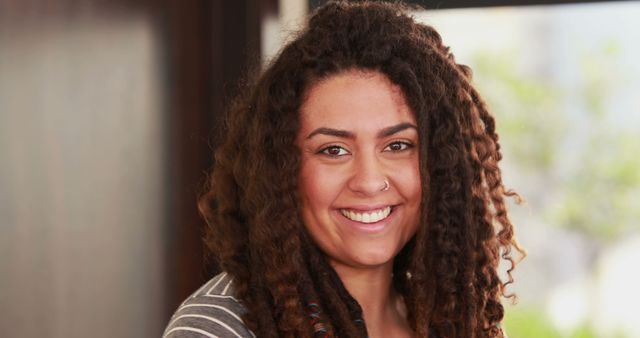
{"x": 354, "y": 100}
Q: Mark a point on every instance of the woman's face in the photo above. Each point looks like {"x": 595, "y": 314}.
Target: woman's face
{"x": 357, "y": 132}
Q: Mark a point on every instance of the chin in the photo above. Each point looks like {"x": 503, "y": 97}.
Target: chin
{"x": 372, "y": 258}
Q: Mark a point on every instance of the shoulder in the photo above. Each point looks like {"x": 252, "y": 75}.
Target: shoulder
{"x": 212, "y": 311}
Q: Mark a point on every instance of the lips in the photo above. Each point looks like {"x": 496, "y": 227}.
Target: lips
{"x": 370, "y": 216}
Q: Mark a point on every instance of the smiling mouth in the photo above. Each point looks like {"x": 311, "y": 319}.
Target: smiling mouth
{"x": 367, "y": 217}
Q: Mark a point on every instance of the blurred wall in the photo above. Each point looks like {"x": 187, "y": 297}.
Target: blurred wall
{"x": 107, "y": 109}
{"x": 82, "y": 131}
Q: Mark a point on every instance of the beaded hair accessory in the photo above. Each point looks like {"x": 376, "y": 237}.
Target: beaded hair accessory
{"x": 315, "y": 314}
{"x": 319, "y": 329}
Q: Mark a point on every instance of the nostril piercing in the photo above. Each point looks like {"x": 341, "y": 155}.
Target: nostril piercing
{"x": 386, "y": 185}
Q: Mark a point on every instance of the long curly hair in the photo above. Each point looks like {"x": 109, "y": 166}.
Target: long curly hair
{"x": 447, "y": 273}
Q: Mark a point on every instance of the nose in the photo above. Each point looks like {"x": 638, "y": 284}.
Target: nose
{"x": 368, "y": 175}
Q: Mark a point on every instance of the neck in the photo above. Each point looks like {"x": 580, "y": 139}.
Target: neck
{"x": 373, "y": 290}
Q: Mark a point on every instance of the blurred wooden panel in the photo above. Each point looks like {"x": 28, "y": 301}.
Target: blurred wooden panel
{"x": 83, "y": 180}
{"x": 106, "y": 112}
{"x": 209, "y": 45}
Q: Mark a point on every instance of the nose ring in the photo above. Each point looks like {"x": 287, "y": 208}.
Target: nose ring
{"x": 386, "y": 185}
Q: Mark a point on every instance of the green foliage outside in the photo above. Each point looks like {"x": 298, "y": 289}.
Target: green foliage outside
{"x": 583, "y": 164}
{"x": 587, "y": 165}
{"x": 533, "y": 323}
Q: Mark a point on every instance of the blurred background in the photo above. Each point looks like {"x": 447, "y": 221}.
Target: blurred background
{"x": 108, "y": 109}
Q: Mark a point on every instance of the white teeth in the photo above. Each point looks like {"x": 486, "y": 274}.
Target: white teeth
{"x": 367, "y": 217}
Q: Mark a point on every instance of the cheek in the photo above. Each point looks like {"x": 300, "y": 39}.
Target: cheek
{"x": 415, "y": 183}
{"x": 410, "y": 183}
{"x": 410, "y": 187}
{"x": 315, "y": 187}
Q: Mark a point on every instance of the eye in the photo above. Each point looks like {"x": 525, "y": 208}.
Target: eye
{"x": 398, "y": 146}
{"x": 334, "y": 151}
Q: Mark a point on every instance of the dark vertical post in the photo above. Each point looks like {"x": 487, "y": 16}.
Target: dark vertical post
{"x": 209, "y": 44}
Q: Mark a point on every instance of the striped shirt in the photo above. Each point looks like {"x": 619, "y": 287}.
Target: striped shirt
{"x": 212, "y": 311}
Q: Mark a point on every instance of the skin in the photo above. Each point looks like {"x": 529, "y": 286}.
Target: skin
{"x": 356, "y": 133}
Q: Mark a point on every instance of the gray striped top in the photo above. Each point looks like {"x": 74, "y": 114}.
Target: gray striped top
{"x": 212, "y": 311}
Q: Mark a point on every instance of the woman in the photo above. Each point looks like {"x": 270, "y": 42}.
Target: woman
{"x": 356, "y": 192}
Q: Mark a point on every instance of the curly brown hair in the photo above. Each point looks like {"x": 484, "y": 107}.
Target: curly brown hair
{"x": 447, "y": 273}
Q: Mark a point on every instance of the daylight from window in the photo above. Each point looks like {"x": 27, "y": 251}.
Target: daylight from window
{"x": 563, "y": 82}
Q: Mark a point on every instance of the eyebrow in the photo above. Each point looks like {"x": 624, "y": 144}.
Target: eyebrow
{"x": 386, "y": 132}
